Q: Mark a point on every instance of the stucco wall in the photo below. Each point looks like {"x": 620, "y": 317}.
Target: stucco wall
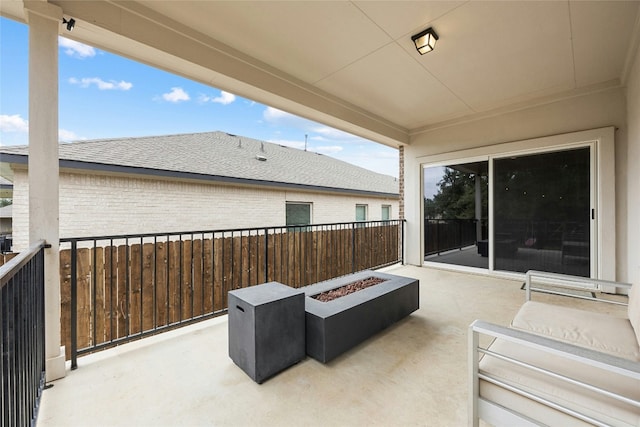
{"x": 95, "y": 205}
{"x": 633, "y": 172}
{"x": 595, "y": 110}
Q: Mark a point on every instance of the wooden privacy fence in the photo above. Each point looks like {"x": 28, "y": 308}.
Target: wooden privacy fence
{"x": 129, "y": 286}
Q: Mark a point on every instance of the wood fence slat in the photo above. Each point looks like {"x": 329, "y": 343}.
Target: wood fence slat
{"x": 219, "y": 298}
{"x": 245, "y": 261}
{"x": 101, "y": 313}
{"x": 85, "y": 320}
{"x": 110, "y": 302}
{"x": 162, "y": 266}
{"x": 175, "y": 303}
{"x": 208, "y": 275}
{"x": 121, "y": 291}
{"x": 197, "y": 278}
{"x": 65, "y": 300}
{"x": 187, "y": 280}
{"x": 135, "y": 288}
{"x": 148, "y": 286}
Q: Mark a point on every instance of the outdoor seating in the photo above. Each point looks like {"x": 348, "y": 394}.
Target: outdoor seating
{"x": 556, "y": 365}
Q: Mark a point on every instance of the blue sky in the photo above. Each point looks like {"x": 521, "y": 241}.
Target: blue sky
{"x": 102, "y": 95}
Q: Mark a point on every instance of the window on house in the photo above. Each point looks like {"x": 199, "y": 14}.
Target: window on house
{"x": 386, "y": 212}
{"x": 298, "y": 213}
{"x": 361, "y": 212}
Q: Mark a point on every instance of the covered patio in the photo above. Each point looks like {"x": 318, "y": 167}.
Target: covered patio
{"x": 413, "y": 373}
{"x": 506, "y": 79}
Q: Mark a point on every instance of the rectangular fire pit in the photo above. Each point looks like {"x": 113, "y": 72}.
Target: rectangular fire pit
{"x": 335, "y": 326}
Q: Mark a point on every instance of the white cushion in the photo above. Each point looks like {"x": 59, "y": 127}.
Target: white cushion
{"x": 584, "y": 401}
{"x": 601, "y": 332}
{"x": 634, "y": 309}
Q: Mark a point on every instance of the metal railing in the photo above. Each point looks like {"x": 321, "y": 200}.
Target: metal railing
{"x": 22, "y": 341}
{"x": 442, "y": 235}
{"x": 119, "y": 288}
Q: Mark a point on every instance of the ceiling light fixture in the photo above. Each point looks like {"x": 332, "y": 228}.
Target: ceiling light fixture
{"x": 70, "y": 23}
{"x": 425, "y": 41}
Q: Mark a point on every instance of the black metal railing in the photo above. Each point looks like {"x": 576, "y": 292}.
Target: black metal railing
{"x": 119, "y": 288}
{"x": 442, "y": 235}
{"x": 22, "y": 336}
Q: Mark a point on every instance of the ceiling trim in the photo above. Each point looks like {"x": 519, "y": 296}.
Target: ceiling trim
{"x": 634, "y": 49}
{"x": 524, "y": 105}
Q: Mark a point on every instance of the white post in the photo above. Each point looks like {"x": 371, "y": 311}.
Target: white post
{"x": 44, "y": 22}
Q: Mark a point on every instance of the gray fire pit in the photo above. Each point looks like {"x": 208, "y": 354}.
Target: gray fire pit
{"x": 334, "y": 327}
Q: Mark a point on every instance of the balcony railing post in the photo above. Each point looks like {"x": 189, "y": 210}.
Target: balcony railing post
{"x": 402, "y": 242}
{"x": 353, "y": 247}
{"x": 266, "y": 254}
{"x": 74, "y": 305}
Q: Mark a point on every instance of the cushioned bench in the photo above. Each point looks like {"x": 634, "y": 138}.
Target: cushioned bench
{"x": 556, "y": 365}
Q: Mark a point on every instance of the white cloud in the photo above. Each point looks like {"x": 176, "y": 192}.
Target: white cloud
{"x": 273, "y": 114}
{"x": 326, "y": 132}
{"x": 13, "y": 123}
{"x": 177, "y": 94}
{"x": 328, "y": 149}
{"x": 67, "y": 135}
{"x": 225, "y": 98}
{"x": 76, "y": 49}
{"x": 282, "y": 118}
{"x": 101, "y": 84}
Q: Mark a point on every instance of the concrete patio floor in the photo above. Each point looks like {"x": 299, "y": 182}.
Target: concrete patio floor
{"x": 413, "y": 373}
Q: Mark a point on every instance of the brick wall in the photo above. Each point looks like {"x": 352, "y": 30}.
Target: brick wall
{"x": 94, "y": 205}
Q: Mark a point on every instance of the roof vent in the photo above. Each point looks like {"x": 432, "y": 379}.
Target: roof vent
{"x": 261, "y": 158}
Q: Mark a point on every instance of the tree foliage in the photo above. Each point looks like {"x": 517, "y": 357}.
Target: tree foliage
{"x": 456, "y": 197}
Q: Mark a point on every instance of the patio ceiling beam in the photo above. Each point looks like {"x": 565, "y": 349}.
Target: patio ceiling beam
{"x": 182, "y": 50}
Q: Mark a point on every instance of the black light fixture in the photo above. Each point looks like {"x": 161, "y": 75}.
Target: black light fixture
{"x": 70, "y": 23}
{"x": 425, "y": 41}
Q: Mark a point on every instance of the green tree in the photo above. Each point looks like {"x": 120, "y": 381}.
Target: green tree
{"x": 456, "y": 197}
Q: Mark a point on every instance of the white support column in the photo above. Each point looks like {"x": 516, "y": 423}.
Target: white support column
{"x": 44, "y": 22}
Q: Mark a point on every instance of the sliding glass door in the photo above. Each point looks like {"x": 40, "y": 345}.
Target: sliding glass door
{"x": 512, "y": 213}
{"x": 542, "y": 212}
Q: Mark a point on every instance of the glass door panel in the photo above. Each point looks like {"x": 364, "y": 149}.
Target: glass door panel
{"x": 456, "y": 213}
{"x": 542, "y": 212}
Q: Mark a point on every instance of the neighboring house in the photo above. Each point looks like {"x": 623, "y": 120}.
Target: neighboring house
{"x": 6, "y": 187}
{"x": 5, "y": 220}
{"x": 201, "y": 181}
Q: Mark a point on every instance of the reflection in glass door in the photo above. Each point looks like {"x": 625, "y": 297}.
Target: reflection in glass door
{"x": 455, "y": 214}
{"x": 542, "y": 212}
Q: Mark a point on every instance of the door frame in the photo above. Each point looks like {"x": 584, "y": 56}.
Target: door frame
{"x": 603, "y": 192}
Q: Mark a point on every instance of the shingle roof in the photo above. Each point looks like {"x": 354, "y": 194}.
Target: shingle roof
{"x": 214, "y": 155}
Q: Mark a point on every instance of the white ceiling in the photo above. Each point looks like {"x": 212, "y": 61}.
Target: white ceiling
{"x": 352, "y": 65}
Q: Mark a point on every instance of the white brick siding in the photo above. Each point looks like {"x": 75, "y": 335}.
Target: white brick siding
{"x": 97, "y": 205}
